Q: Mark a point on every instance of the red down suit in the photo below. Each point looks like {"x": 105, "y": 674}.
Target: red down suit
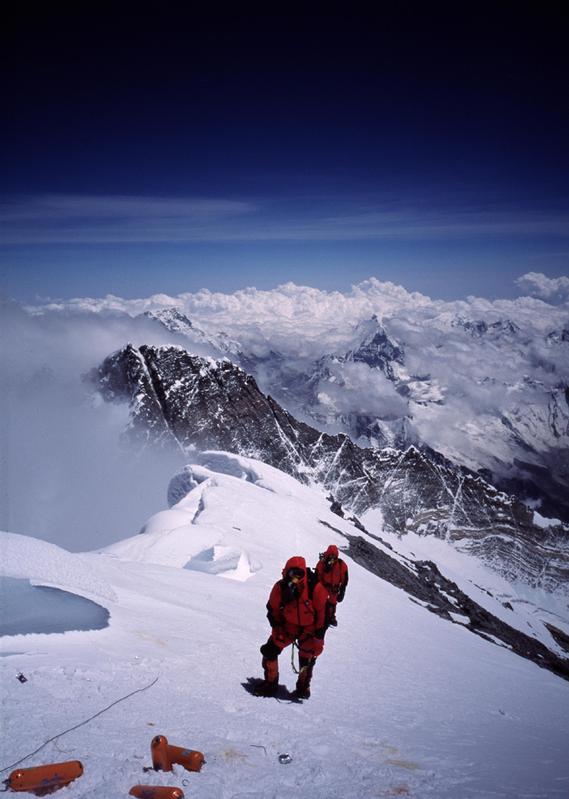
{"x": 300, "y": 616}
{"x": 333, "y": 577}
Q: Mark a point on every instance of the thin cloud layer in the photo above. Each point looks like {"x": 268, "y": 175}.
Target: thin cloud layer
{"x": 75, "y": 218}
{"x": 129, "y": 219}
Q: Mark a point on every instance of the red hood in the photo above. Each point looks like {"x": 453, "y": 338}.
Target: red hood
{"x": 332, "y": 551}
{"x": 296, "y": 562}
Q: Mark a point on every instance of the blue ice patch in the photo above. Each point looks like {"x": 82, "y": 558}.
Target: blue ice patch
{"x": 38, "y": 609}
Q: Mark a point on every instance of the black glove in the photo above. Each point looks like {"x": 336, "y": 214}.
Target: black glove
{"x": 320, "y": 633}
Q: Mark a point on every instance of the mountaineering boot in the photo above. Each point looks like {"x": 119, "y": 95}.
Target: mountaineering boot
{"x": 303, "y": 682}
{"x": 331, "y": 614}
{"x": 302, "y": 690}
{"x": 270, "y": 684}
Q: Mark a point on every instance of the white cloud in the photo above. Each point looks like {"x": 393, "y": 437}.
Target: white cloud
{"x": 357, "y": 389}
{"x": 554, "y": 290}
{"x": 307, "y": 321}
{"x": 64, "y": 476}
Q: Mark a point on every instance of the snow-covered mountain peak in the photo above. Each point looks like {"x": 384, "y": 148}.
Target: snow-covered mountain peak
{"x": 478, "y": 328}
{"x": 376, "y": 349}
{"x": 173, "y": 319}
{"x": 177, "y": 322}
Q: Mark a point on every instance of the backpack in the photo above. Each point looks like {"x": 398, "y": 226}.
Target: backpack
{"x": 311, "y": 581}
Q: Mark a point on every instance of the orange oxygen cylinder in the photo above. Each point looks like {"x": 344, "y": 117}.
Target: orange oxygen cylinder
{"x": 44, "y": 779}
{"x": 156, "y": 792}
{"x": 190, "y": 759}
{"x": 160, "y": 757}
{"x": 164, "y": 755}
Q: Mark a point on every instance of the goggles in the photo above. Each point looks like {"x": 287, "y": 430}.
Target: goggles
{"x": 295, "y": 575}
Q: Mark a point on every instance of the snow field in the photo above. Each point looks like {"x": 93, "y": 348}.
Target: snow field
{"x": 403, "y": 703}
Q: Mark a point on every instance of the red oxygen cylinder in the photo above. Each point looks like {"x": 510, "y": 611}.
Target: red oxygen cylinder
{"x": 159, "y": 751}
{"x": 44, "y": 779}
{"x": 156, "y": 792}
{"x": 164, "y": 755}
{"x": 190, "y": 759}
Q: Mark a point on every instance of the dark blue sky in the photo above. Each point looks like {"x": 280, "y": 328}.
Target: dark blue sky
{"x": 148, "y": 151}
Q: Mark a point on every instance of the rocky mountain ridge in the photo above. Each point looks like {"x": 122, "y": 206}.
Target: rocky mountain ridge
{"x": 181, "y": 400}
{"x": 519, "y": 441}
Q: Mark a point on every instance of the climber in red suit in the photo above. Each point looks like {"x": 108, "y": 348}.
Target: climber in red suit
{"x": 332, "y": 573}
{"x": 296, "y": 611}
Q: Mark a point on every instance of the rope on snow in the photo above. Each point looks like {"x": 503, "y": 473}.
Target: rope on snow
{"x": 81, "y": 724}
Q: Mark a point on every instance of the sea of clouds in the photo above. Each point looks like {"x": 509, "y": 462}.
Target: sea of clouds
{"x": 68, "y": 476}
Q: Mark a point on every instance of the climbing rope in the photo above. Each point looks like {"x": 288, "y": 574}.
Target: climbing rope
{"x": 81, "y": 724}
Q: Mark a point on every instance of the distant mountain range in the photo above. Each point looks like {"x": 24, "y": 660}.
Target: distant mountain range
{"x": 486, "y": 394}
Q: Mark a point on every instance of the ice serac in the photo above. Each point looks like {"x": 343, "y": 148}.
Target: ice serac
{"x": 177, "y": 398}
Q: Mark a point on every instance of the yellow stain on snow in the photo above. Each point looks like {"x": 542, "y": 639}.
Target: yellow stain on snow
{"x": 400, "y": 763}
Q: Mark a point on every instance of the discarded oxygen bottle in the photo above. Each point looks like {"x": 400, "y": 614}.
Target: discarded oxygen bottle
{"x": 156, "y": 792}
{"x": 190, "y": 759}
{"x": 43, "y": 779}
{"x": 164, "y": 756}
{"x": 159, "y": 751}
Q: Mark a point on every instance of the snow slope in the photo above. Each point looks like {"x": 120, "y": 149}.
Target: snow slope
{"x": 404, "y": 703}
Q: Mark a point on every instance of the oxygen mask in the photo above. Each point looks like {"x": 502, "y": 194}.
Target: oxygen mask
{"x": 294, "y": 579}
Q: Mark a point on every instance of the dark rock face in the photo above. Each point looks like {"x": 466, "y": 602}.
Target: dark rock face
{"x": 176, "y": 398}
